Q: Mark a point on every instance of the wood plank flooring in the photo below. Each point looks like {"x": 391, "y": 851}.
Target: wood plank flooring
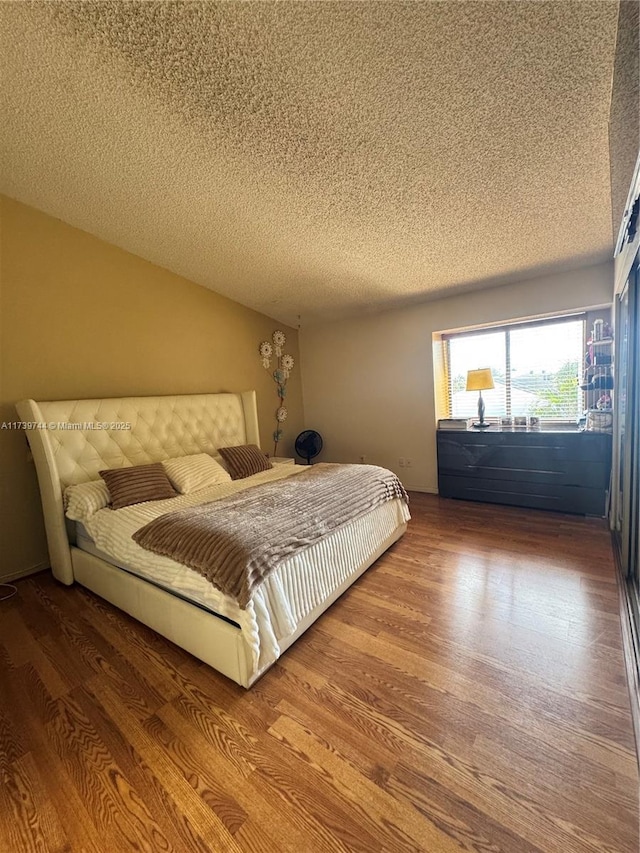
{"x": 467, "y": 694}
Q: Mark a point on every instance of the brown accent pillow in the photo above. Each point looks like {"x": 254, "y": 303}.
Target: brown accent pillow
{"x": 244, "y": 460}
{"x": 137, "y": 484}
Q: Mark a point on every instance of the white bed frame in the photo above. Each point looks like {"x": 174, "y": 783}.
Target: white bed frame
{"x": 159, "y": 428}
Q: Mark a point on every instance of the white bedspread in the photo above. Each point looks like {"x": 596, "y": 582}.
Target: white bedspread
{"x": 288, "y": 595}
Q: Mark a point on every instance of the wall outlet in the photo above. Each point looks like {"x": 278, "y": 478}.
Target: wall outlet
{"x": 401, "y": 462}
{"x": 408, "y": 463}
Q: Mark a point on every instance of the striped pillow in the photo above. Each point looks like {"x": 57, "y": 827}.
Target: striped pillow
{"x": 84, "y": 499}
{"x": 244, "y": 460}
{"x": 137, "y": 484}
{"x": 198, "y": 471}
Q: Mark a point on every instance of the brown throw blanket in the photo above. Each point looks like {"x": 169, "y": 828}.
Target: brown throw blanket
{"x": 235, "y": 542}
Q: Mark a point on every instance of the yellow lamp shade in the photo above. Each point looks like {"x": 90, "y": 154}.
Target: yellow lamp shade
{"x": 479, "y": 380}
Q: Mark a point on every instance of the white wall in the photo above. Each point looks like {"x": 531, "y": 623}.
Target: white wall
{"x": 368, "y": 382}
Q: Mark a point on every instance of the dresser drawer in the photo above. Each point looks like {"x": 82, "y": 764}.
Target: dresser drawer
{"x": 567, "y": 472}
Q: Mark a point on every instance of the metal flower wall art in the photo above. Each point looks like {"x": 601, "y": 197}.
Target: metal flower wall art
{"x": 270, "y": 353}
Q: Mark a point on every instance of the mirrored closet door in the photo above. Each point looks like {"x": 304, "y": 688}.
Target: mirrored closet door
{"x": 626, "y": 520}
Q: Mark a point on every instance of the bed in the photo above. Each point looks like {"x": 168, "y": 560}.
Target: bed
{"x": 73, "y": 440}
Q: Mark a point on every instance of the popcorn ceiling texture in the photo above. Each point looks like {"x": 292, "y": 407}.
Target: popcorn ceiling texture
{"x": 318, "y": 158}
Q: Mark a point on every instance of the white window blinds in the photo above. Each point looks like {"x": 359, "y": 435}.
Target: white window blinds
{"x": 535, "y": 368}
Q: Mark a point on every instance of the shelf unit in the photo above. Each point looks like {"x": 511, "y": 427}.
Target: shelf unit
{"x": 599, "y": 372}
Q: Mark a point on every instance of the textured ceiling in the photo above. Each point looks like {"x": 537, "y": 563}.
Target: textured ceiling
{"x": 318, "y": 158}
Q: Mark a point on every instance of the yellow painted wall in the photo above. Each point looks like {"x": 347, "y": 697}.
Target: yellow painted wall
{"x": 81, "y": 318}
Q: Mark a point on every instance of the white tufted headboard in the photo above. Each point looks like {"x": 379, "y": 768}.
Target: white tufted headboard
{"x": 68, "y": 448}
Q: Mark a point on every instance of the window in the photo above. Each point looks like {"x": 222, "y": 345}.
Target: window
{"x": 534, "y": 367}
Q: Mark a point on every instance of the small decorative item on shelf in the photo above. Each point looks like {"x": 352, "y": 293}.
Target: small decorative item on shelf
{"x": 284, "y": 366}
{"x": 520, "y": 422}
{"x": 599, "y": 381}
{"x": 506, "y": 423}
{"x": 599, "y": 421}
{"x": 534, "y": 422}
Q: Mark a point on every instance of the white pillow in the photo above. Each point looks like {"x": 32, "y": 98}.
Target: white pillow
{"x": 192, "y": 473}
{"x": 85, "y": 499}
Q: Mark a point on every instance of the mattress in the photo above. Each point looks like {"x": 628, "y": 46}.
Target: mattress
{"x": 84, "y": 542}
{"x": 286, "y": 598}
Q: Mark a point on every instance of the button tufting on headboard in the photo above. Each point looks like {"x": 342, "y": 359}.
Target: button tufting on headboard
{"x": 73, "y": 444}
{"x": 160, "y": 428}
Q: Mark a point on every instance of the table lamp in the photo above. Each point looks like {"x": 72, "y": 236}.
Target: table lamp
{"x": 480, "y": 380}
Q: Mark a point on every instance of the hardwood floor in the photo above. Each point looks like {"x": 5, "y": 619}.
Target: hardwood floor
{"x": 467, "y": 694}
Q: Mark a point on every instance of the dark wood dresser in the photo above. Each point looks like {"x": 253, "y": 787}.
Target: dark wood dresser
{"x": 563, "y": 470}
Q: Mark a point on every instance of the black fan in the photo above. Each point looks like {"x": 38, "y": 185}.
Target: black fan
{"x": 308, "y": 444}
